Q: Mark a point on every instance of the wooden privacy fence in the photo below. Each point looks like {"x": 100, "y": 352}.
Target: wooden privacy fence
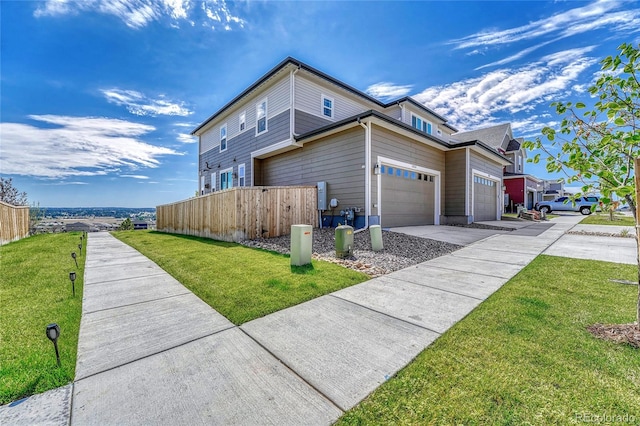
{"x": 14, "y": 222}
{"x": 241, "y": 213}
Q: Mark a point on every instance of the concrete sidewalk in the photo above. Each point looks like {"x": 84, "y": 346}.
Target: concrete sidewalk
{"x": 150, "y": 352}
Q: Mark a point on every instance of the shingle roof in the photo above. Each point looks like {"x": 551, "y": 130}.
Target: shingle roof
{"x": 492, "y": 136}
{"x": 301, "y": 65}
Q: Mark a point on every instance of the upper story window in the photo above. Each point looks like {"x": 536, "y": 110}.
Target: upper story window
{"x": 243, "y": 121}
{"x": 261, "y": 117}
{"x": 223, "y": 137}
{"x": 421, "y": 124}
{"x": 327, "y": 106}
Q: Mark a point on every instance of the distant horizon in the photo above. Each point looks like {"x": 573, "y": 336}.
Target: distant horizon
{"x": 98, "y": 101}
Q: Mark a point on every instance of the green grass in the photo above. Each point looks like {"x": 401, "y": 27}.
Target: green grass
{"x": 35, "y": 290}
{"x": 523, "y": 356}
{"x": 603, "y": 219}
{"x": 239, "y": 282}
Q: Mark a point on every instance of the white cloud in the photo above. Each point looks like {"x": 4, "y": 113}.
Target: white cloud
{"x": 478, "y": 101}
{"x": 186, "y": 138}
{"x": 600, "y": 14}
{"x": 516, "y": 56}
{"x": 135, "y": 176}
{"x": 138, "y": 104}
{"x": 388, "y": 90}
{"x": 140, "y": 13}
{"x": 76, "y": 146}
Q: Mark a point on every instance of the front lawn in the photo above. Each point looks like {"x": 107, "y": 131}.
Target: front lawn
{"x": 35, "y": 290}
{"x": 604, "y": 219}
{"x": 239, "y": 282}
{"x": 524, "y": 356}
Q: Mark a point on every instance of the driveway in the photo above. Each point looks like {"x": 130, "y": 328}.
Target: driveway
{"x": 465, "y": 236}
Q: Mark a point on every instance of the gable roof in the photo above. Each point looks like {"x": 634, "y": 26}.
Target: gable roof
{"x": 493, "y": 136}
{"x": 376, "y": 114}
{"x": 289, "y": 61}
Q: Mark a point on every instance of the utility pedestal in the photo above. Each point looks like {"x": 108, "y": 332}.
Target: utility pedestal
{"x": 301, "y": 244}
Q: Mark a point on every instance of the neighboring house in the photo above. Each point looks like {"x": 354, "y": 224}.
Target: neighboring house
{"x": 79, "y": 226}
{"x": 520, "y": 188}
{"x": 140, "y": 224}
{"x": 392, "y": 163}
{"x": 552, "y": 190}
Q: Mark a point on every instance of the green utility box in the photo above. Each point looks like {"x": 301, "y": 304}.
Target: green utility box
{"x": 344, "y": 241}
{"x": 301, "y": 244}
{"x": 376, "y": 237}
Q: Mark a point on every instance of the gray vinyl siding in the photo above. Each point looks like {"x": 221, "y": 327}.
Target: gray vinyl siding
{"x": 240, "y": 148}
{"x": 305, "y": 122}
{"x": 397, "y": 147}
{"x": 336, "y": 159}
{"x": 278, "y": 100}
{"x": 308, "y": 98}
{"x": 454, "y": 195}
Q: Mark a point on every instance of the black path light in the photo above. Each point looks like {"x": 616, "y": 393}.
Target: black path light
{"x": 53, "y": 332}
{"x": 72, "y": 277}
{"x": 80, "y": 248}
{"x": 74, "y": 258}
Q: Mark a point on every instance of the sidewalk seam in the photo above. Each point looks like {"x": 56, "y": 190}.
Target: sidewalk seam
{"x": 385, "y": 314}
{"x": 154, "y": 353}
{"x": 295, "y": 373}
{"x": 137, "y": 303}
{"x": 437, "y": 288}
{"x": 122, "y": 279}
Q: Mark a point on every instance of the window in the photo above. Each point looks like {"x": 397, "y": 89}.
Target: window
{"x": 243, "y": 120}
{"x": 421, "y": 124}
{"x": 241, "y": 175}
{"x": 327, "y": 106}
{"x": 382, "y": 170}
{"x": 226, "y": 179}
{"x": 202, "y": 185}
{"x": 261, "y": 117}
{"x": 390, "y": 171}
{"x": 213, "y": 181}
{"x": 223, "y": 137}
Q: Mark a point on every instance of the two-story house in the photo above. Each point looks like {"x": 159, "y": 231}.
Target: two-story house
{"x": 519, "y": 187}
{"x": 393, "y": 163}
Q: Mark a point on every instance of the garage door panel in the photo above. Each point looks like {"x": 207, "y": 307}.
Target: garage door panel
{"x": 484, "y": 199}
{"x": 407, "y": 200}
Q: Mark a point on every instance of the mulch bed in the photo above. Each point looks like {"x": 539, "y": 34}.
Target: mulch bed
{"x": 617, "y": 333}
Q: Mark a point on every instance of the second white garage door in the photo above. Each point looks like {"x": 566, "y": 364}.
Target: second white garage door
{"x": 407, "y": 197}
{"x": 484, "y": 199}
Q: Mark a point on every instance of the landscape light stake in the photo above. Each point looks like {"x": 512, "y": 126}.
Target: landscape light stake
{"x": 72, "y": 277}
{"x": 74, "y": 258}
{"x": 53, "y": 332}
{"x": 80, "y": 248}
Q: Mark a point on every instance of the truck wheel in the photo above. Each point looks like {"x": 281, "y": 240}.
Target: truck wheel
{"x": 585, "y": 210}
{"x": 545, "y": 209}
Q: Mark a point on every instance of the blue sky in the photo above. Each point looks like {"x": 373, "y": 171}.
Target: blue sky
{"x": 98, "y": 97}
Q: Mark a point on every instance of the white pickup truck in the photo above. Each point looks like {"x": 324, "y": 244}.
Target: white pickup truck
{"x": 582, "y": 205}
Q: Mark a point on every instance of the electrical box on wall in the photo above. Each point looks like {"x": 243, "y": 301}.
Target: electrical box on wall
{"x": 322, "y": 195}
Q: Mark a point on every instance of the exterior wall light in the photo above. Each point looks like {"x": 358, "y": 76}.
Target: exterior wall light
{"x": 376, "y": 169}
{"x": 53, "y": 332}
{"x": 72, "y": 278}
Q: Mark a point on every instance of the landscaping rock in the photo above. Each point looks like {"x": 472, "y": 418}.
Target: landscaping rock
{"x": 400, "y": 250}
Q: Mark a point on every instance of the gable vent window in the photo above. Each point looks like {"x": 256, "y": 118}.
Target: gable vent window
{"x": 327, "y": 106}
{"x": 261, "y": 117}
{"x": 223, "y": 138}
{"x": 421, "y": 124}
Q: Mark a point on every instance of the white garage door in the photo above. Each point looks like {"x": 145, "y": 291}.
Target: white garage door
{"x": 407, "y": 197}
{"x": 484, "y": 199}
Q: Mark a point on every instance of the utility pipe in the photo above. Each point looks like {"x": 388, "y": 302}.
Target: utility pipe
{"x": 367, "y": 175}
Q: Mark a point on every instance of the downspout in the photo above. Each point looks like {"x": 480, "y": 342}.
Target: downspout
{"x": 292, "y": 104}
{"x": 367, "y": 174}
